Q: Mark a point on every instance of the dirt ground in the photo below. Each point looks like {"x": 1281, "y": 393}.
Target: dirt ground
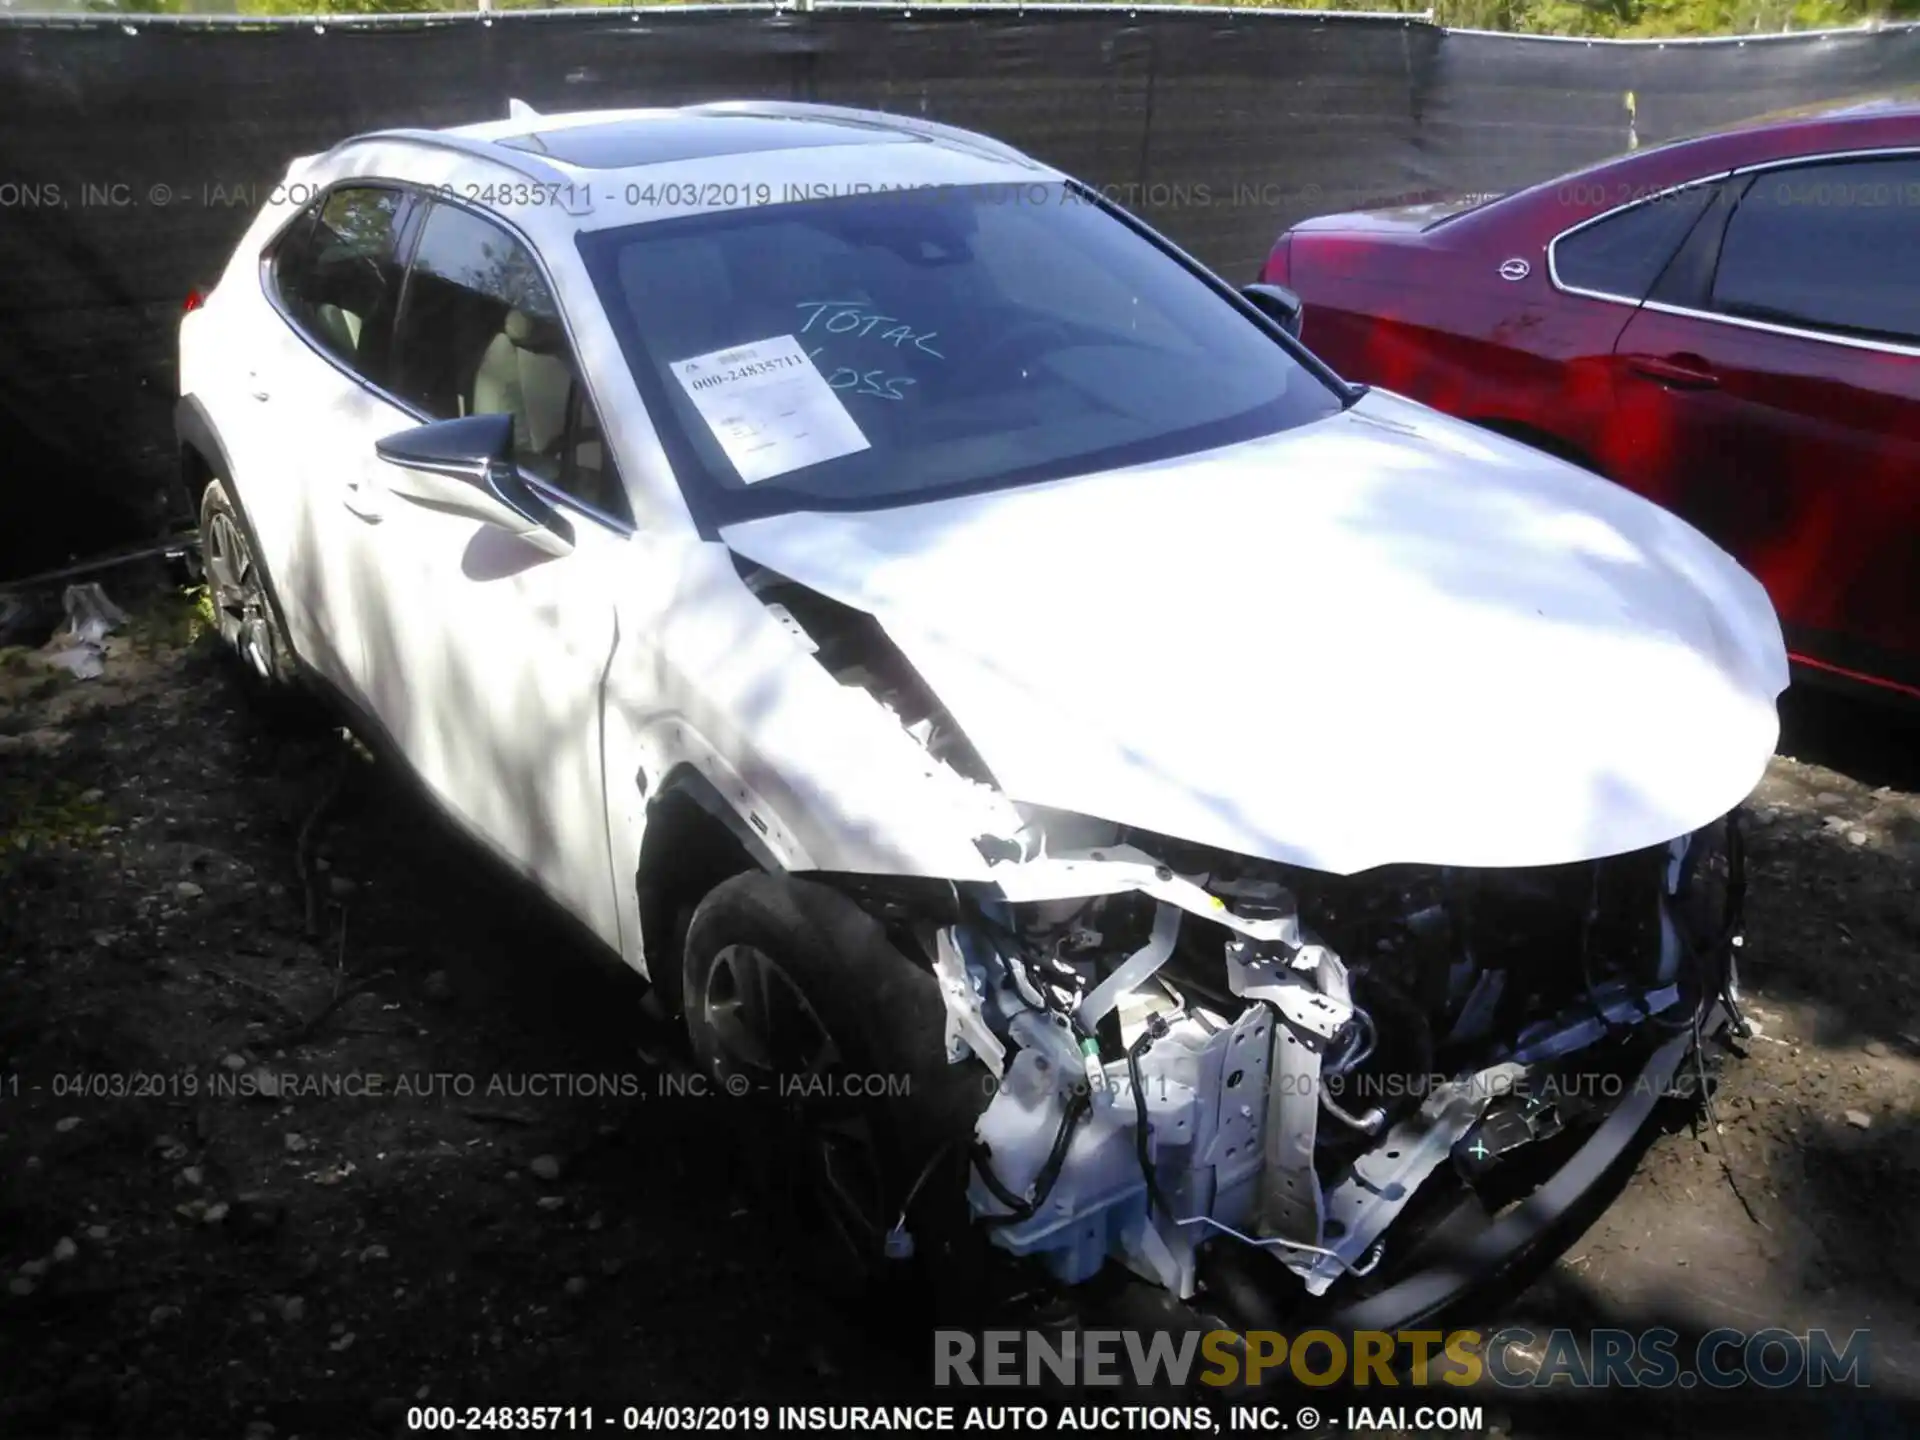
{"x": 1803, "y": 1210}
{"x": 307, "y": 1116}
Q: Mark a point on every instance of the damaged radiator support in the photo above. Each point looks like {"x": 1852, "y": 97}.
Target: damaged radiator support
{"x": 1214, "y": 1122}
{"x": 1290, "y": 1206}
{"x": 1312, "y": 1012}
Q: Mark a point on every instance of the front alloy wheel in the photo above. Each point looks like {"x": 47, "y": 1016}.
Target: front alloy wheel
{"x": 757, "y": 1032}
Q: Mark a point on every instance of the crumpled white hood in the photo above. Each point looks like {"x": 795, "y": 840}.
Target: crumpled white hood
{"x": 1386, "y": 637}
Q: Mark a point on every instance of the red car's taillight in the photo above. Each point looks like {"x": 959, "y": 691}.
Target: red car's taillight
{"x": 1279, "y": 262}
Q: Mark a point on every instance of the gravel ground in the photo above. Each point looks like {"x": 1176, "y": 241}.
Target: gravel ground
{"x": 288, "y": 1143}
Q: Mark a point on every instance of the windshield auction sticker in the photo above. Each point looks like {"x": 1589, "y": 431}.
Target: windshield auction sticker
{"x": 769, "y": 408}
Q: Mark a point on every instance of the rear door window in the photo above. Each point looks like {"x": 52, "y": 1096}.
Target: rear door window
{"x": 1622, "y": 254}
{"x": 1828, "y": 247}
{"x": 337, "y": 274}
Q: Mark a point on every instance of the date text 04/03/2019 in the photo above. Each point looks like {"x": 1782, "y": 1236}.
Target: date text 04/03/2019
{"x": 747, "y": 1419}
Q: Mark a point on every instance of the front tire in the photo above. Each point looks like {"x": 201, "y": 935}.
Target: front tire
{"x": 798, "y": 1004}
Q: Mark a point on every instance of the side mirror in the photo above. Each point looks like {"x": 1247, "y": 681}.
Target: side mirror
{"x": 1279, "y": 305}
{"x": 465, "y": 467}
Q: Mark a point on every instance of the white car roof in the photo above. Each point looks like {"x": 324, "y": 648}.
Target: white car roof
{"x": 621, "y": 167}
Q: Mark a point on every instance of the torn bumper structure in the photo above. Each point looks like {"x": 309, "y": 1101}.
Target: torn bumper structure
{"x": 1191, "y": 1068}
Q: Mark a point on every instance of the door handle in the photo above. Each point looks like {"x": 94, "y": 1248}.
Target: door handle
{"x": 362, "y": 497}
{"x": 256, "y": 388}
{"x": 1677, "y": 372}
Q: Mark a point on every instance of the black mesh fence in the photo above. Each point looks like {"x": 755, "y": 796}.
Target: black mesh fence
{"x": 131, "y": 154}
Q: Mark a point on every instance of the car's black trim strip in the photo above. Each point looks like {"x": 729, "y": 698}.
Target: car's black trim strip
{"x": 1426, "y": 1293}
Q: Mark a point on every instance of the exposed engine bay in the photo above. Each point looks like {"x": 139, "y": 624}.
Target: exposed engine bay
{"x": 1287, "y": 1073}
{"x": 1195, "y": 1049}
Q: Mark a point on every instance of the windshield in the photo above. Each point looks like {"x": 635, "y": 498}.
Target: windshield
{"x": 880, "y": 349}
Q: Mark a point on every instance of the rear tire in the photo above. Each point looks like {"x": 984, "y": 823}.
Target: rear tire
{"x": 244, "y": 613}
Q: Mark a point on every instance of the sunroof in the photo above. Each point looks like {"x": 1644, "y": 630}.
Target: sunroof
{"x": 622, "y": 144}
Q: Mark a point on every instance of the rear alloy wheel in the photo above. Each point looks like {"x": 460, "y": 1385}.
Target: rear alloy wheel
{"x": 237, "y": 591}
{"x": 814, "y": 1024}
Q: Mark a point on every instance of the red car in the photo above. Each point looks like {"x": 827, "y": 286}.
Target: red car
{"x": 1729, "y": 325}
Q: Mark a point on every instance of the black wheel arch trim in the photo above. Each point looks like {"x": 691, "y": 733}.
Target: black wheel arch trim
{"x": 879, "y": 894}
{"x": 194, "y": 430}
{"x": 690, "y": 783}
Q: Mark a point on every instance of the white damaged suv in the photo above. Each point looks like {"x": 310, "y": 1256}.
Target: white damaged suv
{"x": 1136, "y": 799}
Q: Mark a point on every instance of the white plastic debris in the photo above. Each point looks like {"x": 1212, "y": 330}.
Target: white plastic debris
{"x": 79, "y": 646}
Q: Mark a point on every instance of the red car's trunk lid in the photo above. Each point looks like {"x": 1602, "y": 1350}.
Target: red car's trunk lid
{"x": 1405, "y": 219}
